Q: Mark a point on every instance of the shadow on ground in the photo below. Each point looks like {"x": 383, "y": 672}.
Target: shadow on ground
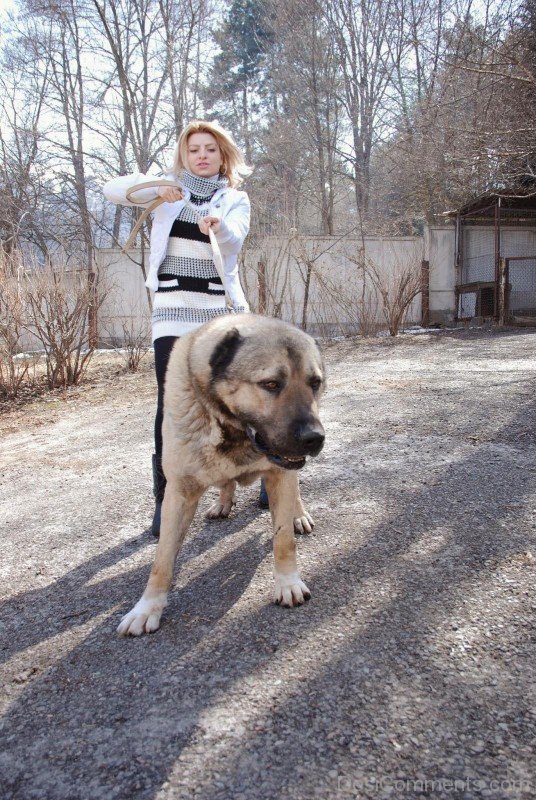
{"x": 391, "y": 699}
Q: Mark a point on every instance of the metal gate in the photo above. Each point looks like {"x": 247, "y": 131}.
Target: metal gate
{"x": 517, "y": 290}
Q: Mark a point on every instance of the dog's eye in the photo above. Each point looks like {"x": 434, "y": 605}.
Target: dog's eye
{"x": 315, "y": 384}
{"x": 270, "y": 386}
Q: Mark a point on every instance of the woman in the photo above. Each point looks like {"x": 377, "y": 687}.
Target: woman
{"x": 188, "y": 290}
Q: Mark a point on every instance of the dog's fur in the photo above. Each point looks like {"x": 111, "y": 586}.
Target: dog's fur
{"x": 241, "y": 401}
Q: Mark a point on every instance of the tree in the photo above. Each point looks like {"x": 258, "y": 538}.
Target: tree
{"x": 235, "y": 85}
{"x": 305, "y": 83}
{"x": 362, "y": 31}
{"x": 21, "y": 165}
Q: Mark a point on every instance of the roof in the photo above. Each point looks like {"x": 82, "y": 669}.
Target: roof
{"x": 509, "y": 198}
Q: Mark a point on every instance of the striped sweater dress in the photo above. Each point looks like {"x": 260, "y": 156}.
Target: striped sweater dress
{"x": 190, "y": 291}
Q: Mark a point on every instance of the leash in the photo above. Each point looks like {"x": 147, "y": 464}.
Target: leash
{"x": 216, "y": 252}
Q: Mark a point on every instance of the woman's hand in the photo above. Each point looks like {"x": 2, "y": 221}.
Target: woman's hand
{"x": 209, "y": 222}
{"x": 170, "y": 194}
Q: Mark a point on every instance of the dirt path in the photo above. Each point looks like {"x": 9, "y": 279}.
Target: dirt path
{"x": 411, "y": 668}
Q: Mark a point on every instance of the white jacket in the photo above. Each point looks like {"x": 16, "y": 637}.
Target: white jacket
{"x": 230, "y": 205}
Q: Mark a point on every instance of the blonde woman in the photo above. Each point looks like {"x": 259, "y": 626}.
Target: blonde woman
{"x": 208, "y": 166}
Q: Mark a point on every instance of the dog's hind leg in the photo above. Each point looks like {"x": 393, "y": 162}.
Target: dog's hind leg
{"x": 221, "y": 507}
{"x": 283, "y": 491}
{"x": 178, "y": 509}
{"x": 303, "y": 521}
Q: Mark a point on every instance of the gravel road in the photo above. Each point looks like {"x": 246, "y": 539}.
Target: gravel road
{"x": 410, "y": 673}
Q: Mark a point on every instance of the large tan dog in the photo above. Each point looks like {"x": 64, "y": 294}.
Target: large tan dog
{"x": 241, "y": 400}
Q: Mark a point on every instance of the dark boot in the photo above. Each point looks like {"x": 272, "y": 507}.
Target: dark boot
{"x": 263, "y": 496}
{"x": 159, "y": 485}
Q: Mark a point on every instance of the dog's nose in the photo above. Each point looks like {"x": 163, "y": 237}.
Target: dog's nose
{"x": 311, "y": 437}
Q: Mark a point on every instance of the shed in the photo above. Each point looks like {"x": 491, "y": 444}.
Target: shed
{"x": 496, "y": 257}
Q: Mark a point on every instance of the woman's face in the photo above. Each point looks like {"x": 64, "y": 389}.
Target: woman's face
{"x": 204, "y": 155}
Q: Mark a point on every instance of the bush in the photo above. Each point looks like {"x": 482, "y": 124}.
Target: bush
{"x": 45, "y": 307}
{"x": 58, "y": 306}
{"x": 14, "y": 371}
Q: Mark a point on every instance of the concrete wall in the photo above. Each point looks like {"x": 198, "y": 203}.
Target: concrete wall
{"x": 126, "y": 302}
{"x": 337, "y": 299}
{"x": 439, "y": 250}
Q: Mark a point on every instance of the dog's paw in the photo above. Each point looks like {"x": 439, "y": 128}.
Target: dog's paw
{"x": 304, "y": 523}
{"x": 220, "y": 509}
{"x": 290, "y": 590}
{"x": 143, "y": 618}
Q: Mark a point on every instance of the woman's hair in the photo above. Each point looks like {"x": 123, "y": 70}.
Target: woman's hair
{"x": 233, "y": 164}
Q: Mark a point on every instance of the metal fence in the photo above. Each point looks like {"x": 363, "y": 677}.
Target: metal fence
{"x": 518, "y": 289}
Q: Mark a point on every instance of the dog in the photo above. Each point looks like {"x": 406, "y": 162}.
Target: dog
{"x": 241, "y": 401}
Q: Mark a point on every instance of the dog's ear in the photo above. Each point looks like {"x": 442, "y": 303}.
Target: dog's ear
{"x": 224, "y": 353}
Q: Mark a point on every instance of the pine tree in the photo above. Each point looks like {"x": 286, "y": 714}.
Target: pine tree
{"x": 233, "y": 94}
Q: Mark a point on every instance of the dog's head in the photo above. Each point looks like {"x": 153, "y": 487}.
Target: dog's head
{"x": 269, "y": 377}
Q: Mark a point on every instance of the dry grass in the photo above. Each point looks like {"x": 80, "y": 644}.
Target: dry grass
{"x": 35, "y": 402}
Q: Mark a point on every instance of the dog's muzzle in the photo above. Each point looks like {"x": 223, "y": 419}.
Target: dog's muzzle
{"x": 308, "y": 438}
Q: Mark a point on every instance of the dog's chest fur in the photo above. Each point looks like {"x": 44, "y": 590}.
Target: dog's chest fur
{"x": 214, "y": 453}
{"x": 233, "y": 445}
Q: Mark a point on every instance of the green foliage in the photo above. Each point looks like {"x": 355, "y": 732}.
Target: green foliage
{"x": 244, "y": 39}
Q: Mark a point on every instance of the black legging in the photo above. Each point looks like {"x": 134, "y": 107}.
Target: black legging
{"x": 162, "y": 350}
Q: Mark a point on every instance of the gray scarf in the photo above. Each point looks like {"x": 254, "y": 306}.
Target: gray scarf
{"x": 202, "y": 188}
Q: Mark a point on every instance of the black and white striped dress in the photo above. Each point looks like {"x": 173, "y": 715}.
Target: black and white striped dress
{"x": 190, "y": 291}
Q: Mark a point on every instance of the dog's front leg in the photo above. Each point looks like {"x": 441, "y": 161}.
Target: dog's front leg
{"x": 178, "y": 509}
{"x": 283, "y": 490}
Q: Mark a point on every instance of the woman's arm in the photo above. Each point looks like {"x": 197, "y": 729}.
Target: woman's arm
{"x": 116, "y": 190}
{"x": 234, "y": 227}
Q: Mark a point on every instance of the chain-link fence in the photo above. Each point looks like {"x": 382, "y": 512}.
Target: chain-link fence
{"x": 521, "y": 282}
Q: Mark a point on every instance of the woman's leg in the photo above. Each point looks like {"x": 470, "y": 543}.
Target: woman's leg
{"x": 263, "y": 496}
{"x": 162, "y": 350}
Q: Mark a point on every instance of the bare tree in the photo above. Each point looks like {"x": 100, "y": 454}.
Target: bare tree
{"x": 153, "y": 57}
{"x": 362, "y": 30}
{"x": 383, "y": 114}
{"x": 23, "y": 168}
{"x": 305, "y": 82}
{"x": 461, "y": 130}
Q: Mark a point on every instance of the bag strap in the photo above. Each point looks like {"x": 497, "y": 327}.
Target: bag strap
{"x": 216, "y": 252}
{"x": 155, "y": 203}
